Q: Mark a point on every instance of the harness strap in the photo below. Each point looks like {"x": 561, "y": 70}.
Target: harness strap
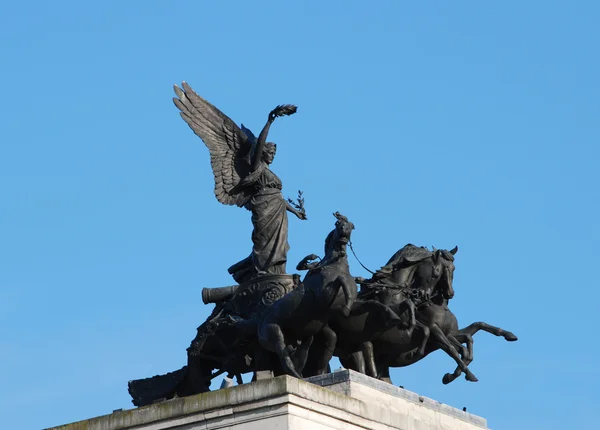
{"x": 357, "y": 259}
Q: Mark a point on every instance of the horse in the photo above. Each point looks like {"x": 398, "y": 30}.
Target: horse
{"x": 287, "y": 327}
{"x": 410, "y": 276}
{"x": 437, "y": 327}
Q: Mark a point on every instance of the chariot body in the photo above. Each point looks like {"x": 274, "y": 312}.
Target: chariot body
{"x": 225, "y": 343}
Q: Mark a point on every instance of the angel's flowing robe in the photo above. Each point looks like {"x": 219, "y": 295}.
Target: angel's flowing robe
{"x": 270, "y": 234}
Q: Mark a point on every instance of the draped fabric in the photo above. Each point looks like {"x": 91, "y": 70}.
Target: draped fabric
{"x": 269, "y": 236}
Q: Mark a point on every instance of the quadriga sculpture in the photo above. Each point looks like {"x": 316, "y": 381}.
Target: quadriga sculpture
{"x": 427, "y": 277}
{"x": 270, "y": 322}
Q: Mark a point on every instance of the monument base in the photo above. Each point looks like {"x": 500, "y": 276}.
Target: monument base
{"x": 340, "y": 400}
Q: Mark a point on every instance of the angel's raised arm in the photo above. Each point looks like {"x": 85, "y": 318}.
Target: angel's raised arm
{"x": 262, "y": 139}
{"x": 280, "y": 110}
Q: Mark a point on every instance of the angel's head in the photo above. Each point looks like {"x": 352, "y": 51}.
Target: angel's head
{"x": 268, "y": 154}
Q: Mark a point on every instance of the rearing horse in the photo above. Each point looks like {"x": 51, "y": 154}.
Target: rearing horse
{"x": 287, "y": 327}
{"x": 437, "y": 325}
{"x": 410, "y": 277}
{"x": 436, "y": 313}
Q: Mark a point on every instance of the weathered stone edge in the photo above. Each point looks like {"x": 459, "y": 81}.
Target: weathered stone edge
{"x": 205, "y": 402}
{"x": 347, "y": 375}
{"x": 312, "y": 389}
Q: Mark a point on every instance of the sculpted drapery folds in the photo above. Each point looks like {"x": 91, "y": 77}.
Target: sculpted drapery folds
{"x": 240, "y": 164}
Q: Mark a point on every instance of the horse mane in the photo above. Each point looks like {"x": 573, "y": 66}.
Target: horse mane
{"x": 329, "y": 242}
{"x": 407, "y": 255}
{"x": 447, "y": 255}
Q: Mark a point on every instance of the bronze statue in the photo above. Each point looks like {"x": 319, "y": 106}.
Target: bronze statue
{"x": 273, "y": 323}
{"x": 240, "y": 164}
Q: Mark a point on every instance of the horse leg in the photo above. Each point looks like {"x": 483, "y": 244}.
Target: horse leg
{"x": 383, "y": 373}
{"x": 417, "y": 354}
{"x": 466, "y": 336}
{"x": 272, "y": 338}
{"x": 445, "y": 344}
{"x": 462, "y": 350}
{"x": 329, "y": 341}
{"x": 359, "y": 361}
{"x": 386, "y": 317}
{"x": 496, "y": 331}
{"x": 369, "y": 358}
{"x": 348, "y": 362}
{"x": 426, "y": 335}
{"x": 349, "y": 293}
{"x": 410, "y": 307}
{"x": 301, "y": 354}
{"x": 468, "y": 351}
{"x": 467, "y": 355}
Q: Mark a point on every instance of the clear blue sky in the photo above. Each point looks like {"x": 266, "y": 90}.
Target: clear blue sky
{"x": 438, "y": 123}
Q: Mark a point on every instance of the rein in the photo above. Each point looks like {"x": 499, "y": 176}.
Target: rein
{"x": 357, "y": 259}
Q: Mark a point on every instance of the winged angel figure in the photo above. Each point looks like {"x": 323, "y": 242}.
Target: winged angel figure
{"x": 240, "y": 164}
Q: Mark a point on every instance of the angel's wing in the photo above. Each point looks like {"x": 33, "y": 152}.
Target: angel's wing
{"x": 251, "y": 137}
{"x": 227, "y": 144}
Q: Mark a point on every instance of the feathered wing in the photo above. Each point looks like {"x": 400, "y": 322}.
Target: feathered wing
{"x": 227, "y": 143}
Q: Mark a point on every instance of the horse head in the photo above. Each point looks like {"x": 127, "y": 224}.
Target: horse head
{"x": 339, "y": 237}
{"x": 426, "y": 273}
{"x": 443, "y": 272}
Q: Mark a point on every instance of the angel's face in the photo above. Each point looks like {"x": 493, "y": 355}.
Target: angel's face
{"x": 269, "y": 153}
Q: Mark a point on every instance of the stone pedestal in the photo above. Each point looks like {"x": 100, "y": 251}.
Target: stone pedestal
{"x": 340, "y": 400}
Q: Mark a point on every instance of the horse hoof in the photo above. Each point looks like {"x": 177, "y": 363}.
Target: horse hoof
{"x": 290, "y": 369}
{"x": 510, "y": 337}
{"x": 446, "y": 379}
{"x": 471, "y": 378}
